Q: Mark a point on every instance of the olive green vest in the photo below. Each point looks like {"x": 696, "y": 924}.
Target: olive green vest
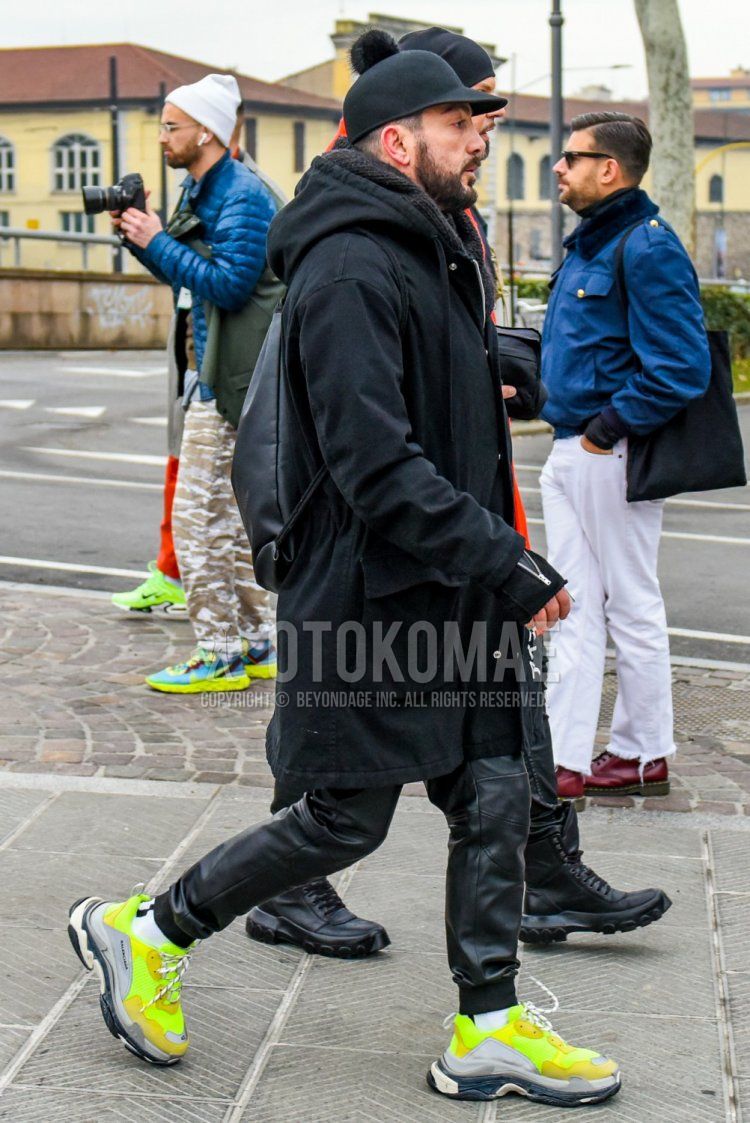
{"x": 233, "y": 339}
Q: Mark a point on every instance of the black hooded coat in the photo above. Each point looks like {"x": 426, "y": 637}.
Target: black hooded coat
{"x": 392, "y": 365}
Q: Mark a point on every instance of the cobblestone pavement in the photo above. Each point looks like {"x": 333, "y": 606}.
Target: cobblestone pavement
{"x": 74, "y": 703}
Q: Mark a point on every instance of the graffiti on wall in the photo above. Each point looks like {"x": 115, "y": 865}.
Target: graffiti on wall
{"x": 113, "y": 307}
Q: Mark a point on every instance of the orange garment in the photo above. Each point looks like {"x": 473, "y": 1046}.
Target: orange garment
{"x": 519, "y": 513}
{"x": 167, "y": 560}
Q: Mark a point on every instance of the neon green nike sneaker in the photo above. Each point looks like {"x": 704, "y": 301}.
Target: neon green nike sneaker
{"x": 202, "y": 672}
{"x": 140, "y": 985}
{"x": 155, "y": 592}
{"x": 527, "y": 1057}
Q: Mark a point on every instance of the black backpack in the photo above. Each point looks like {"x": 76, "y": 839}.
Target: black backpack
{"x": 268, "y": 439}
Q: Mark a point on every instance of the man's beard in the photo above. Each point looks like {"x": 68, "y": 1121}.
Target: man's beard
{"x": 445, "y": 189}
{"x": 184, "y": 160}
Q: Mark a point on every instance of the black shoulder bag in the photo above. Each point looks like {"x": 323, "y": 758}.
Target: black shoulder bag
{"x": 700, "y": 448}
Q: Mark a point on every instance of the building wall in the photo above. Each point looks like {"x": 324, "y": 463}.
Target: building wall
{"x": 328, "y": 79}
{"x": 46, "y": 310}
{"x": 35, "y": 204}
{"x": 734, "y": 98}
{"x": 275, "y": 150}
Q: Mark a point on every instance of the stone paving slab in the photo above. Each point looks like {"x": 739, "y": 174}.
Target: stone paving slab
{"x": 15, "y": 807}
{"x": 279, "y": 1035}
{"x": 80, "y": 822}
{"x": 75, "y": 704}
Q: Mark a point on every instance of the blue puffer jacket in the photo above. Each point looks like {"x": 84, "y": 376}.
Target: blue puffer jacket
{"x": 634, "y": 368}
{"x": 235, "y": 209}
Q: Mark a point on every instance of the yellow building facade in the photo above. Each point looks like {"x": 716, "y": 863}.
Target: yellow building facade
{"x": 730, "y": 92}
{"x": 50, "y": 148}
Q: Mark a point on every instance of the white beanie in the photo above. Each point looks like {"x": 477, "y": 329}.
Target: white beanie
{"x": 212, "y": 102}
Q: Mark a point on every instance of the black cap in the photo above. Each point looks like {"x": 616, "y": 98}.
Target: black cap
{"x": 405, "y": 84}
{"x": 470, "y": 61}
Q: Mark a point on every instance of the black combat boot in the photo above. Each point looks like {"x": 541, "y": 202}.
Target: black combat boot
{"x": 564, "y": 895}
{"x": 315, "y": 918}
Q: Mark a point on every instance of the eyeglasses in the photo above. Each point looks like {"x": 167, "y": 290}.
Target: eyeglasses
{"x": 169, "y": 128}
{"x": 570, "y": 156}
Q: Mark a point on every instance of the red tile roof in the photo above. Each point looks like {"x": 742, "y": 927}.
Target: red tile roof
{"x": 49, "y": 75}
{"x": 710, "y": 124}
{"x": 735, "y": 82}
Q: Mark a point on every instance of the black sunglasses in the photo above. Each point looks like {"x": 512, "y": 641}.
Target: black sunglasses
{"x": 570, "y": 156}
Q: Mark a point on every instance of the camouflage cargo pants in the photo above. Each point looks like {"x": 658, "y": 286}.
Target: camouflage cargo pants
{"x": 224, "y": 603}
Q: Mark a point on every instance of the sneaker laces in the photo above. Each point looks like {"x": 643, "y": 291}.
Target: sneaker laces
{"x": 172, "y": 970}
{"x": 537, "y": 1014}
{"x": 323, "y": 894}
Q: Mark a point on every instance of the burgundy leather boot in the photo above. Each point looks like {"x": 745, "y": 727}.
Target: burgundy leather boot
{"x": 569, "y": 783}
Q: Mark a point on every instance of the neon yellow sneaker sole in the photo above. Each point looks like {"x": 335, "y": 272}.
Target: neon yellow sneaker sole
{"x": 233, "y": 682}
{"x": 139, "y": 984}
{"x": 261, "y": 670}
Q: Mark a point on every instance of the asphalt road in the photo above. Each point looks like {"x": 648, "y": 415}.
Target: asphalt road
{"x": 82, "y": 447}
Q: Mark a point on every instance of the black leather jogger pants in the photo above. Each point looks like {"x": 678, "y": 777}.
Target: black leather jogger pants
{"x": 486, "y": 804}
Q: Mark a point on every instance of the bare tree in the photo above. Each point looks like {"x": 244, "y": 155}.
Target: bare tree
{"x": 670, "y": 113}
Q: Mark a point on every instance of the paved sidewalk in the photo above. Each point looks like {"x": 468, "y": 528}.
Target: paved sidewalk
{"x": 75, "y": 704}
{"x": 278, "y": 1034}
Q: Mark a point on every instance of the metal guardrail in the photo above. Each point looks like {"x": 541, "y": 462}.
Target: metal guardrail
{"x": 16, "y": 236}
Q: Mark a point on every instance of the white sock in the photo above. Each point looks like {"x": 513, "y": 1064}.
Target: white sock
{"x": 495, "y": 1019}
{"x": 145, "y": 927}
{"x": 173, "y": 581}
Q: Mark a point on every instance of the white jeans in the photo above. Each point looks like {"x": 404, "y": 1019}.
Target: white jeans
{"x": 607, "y": 548}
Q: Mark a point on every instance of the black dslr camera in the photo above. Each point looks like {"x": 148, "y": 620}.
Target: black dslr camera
{"x": 129, "y": 192}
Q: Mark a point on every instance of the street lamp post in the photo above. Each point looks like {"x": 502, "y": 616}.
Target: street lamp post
{"x": 556, "y": 21}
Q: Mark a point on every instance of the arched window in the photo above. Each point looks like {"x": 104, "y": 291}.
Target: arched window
{"x": 76, "y": 162}
{"x": 516, "y": 173}
{"x": 7, "y": 165}
{"x": 545, "y": 178}
{"x": 716, "y": 189}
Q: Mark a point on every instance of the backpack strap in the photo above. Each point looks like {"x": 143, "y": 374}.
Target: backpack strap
{"x": 619, "y": 267}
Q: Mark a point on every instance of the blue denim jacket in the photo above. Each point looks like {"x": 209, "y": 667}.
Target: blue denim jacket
{"x": 635, "y": 366}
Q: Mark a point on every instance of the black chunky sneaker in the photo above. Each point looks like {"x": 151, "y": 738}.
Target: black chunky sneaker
{"x": 563, "y": 895}
{"x": 315, "y": 918}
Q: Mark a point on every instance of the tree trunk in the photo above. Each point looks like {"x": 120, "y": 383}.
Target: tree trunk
{"x": 670, "y": 114}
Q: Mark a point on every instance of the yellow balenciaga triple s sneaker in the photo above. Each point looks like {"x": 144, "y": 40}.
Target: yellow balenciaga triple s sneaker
{"x": 140, "y": 984}
{"x": 524, "y": 1056}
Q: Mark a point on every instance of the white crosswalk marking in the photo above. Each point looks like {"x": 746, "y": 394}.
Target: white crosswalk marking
{"x": 83, "y": 454}
{"x": 77, "y": 411}
{"x": 111, "y": 372}
{"x": 16, "y": 403}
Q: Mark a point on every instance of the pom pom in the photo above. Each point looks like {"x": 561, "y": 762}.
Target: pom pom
{"x": 371, "y": 48}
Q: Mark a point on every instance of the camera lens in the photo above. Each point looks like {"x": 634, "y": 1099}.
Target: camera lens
{"x": 98, "y": 199}
{"x": 94, "y": 200}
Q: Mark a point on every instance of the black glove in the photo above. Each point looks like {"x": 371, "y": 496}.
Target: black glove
{"x": 531, "y": 584}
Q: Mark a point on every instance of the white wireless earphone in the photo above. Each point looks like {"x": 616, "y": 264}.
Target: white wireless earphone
{"x": 203, "y": 139}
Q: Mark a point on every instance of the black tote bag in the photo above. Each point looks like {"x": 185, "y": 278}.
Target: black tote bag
{"x": 700, "y": 448}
